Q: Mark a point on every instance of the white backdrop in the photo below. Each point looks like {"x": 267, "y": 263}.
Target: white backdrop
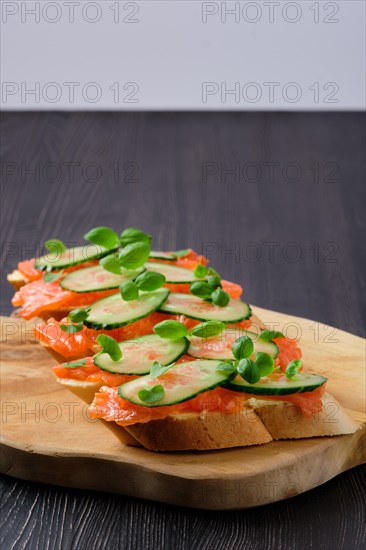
{"x": 183, "y": 55}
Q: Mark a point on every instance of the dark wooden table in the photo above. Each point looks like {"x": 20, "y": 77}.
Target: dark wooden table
{"x": 277, "y": 203}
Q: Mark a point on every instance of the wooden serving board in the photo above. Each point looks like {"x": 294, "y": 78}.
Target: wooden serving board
{"x": 46, "y": 435}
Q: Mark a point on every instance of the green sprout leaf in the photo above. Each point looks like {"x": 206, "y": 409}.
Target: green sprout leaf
{"x": 182, "y": 253}
{"x": 109, "y": 346}
{"x": 151, "y": 395}
{"x": 157, "y": 369}
{"x": 129, "y": 291}
{"x": 75, "y": 364}
{"x": 133, "y": 235}
{"x": 220, "y": 297}
{"x": 208, "y": 329}
{"x": 55, "y": 246}
{"x": 78, "y": 315}
{"x": 171, "y": 330}
{"x": 71, "y": 329}
{"x": 103, "y": 236}
{"x": 212, "y": 271}
{"x": 111, "y": 263}
{"x": 268, "y": 335}
{"x": 225, "y": 367}
{"x": 201, "y": 289}
{"x": 214, "y": 281}
{"x": 264, "y": 362}
{"x": 293, "y": 368}
{"x": 242, "y": 348}
{"x": 134, "y": 255}
{"x": 52, "y": 276}
{"x": 249, "y": 371}
{"x": 150, "y": 281}
{"x": 200, "y": 271}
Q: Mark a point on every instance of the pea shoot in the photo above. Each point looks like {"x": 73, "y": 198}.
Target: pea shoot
{"x": 157, "y": 369}
{"x": 111, "y": 263}
{"x": 76, "y": 318}
{"x": 52, "y": 276}
{"x": 75, "y": 364}
{"x": 171, "y": 330}
{"x": 200, "y": 271}
{"x": 269, "y": 335}
{"x": 248, "y": 364}
{"x": 152, "y": 394}
{"x": 55, "y": 246}
{"x": 109, "y": 346}
{"x": 130, "y": 250}
{"x": 146, "y": 282}
{"x": 220, "y": 298}
{"x": 133, "y": 235}
{"x": 293, "y": 368}
{"x": 174, "y": 330}
{"x": 211, "y": 289}
{"x": 103, "y": 236}
{"x": 182, "y": 253}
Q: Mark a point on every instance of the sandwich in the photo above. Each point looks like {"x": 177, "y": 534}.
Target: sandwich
{"x": 241, "y": 395}
{"x": 166, "y": 351}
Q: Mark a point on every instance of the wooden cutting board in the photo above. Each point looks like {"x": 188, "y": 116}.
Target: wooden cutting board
{"x": 46, "y": 435}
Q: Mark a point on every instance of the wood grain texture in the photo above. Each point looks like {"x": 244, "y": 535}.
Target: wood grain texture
{"x": 171, "y": 201}
{"x": 46, "y": 435}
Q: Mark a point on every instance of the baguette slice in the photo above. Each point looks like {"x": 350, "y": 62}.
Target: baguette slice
{"x": 260, "y": 422}
{"x": 201, "y": 431}
{"x": 16, "y": 279}
{"x": 81, "y": 388}
{"x": 284, "y": 420}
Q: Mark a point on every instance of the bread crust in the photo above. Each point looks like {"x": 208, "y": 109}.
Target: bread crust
{"x": 201, "y": 431}
{"x": 285, "y": 420}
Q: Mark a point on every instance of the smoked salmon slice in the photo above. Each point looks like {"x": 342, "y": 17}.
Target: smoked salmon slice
{"x": 29, "y": 272}
{"x": 91, "y": 373}
{"x": 38, "y": 296}
{"x": 111, "y": 407}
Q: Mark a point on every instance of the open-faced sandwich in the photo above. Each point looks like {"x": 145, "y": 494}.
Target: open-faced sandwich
{"x": 159, "y": 345}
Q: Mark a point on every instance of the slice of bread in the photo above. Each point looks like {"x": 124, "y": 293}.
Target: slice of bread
{"x": 260, "y": 422}
{"x": 201, "y": 431}
{"x": 83, "y": 389}
{"x": 285, "y": 420}
{"x": 16, "y": 279}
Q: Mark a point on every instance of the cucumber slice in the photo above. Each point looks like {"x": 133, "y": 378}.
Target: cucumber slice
{"x": 71, "y": 256}
{"x": 173, "y": 273}
{"x": 113, "y": 312}
{"x": 138, "y": 355}
{"x": 159, "y": 255}
{"x": 196, "y": 308}
{"x": 92, "y": 279}
{"x": 281, "y": 386}
{"x": 181, "y": 383}
{"x": 219, "y": 347}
